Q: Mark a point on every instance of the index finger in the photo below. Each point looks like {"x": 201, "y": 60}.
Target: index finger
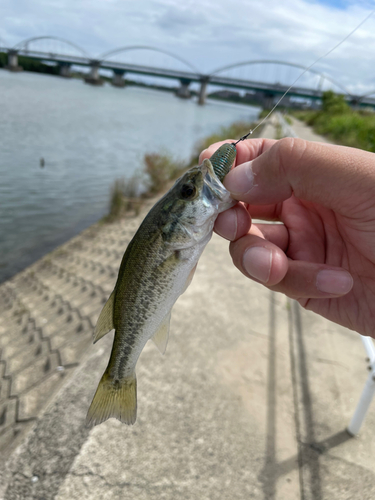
{"x": 246, "y": 150}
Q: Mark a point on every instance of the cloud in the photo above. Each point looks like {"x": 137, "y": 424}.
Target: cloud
{"x": 176, "y": 20}
{"x": 209, "y": 33}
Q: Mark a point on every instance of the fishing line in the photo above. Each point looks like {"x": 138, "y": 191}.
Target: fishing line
{"x": 307, "y": 69}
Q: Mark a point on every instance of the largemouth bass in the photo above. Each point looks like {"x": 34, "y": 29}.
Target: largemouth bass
{"x": 156, "y": 269}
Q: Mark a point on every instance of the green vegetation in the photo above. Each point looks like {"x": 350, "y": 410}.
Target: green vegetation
{"x": 341, "y": 124}
{"x": 128, "y": 195}
{"x": 29, "y": 64}
{"x": 3, "y": 59}
{"x": 124, "y": 198}
{"x": 161, "y": 169}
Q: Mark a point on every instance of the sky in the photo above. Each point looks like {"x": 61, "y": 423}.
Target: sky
{"x": 211, "y": 33}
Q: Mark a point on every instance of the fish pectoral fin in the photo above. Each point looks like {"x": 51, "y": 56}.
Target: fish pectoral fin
{"x": 105, "y": 320}
{"x": 190, "y": 278}
{"x": 161, "y": 336}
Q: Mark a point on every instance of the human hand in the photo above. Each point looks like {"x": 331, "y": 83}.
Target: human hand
{"x": 323, "y": 253}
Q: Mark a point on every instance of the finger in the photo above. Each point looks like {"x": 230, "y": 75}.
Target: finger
{"x": 267, "y": 264}
{"x": 274, "y": 233}
{"x": 246, "y": 150}
{"x": 307, "y": 169}
{"x": 233, "y": 223}
{"x": 259, "y": 259}
{"x": 314, "y": 281}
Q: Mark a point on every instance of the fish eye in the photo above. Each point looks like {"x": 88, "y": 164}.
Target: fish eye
{"x": 188, "y": 191}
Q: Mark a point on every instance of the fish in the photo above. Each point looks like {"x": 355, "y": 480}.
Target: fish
{"x": 157, "y": 267}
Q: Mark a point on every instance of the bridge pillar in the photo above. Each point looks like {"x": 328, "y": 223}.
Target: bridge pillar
{"x": 118, "y": 78}
{"x": 65, "y": 70}
{"x": 13, "y": 61}
{"x": 94, "y": 78}
{"x": 203, "y": 90}
{"x": 184, "y": 91}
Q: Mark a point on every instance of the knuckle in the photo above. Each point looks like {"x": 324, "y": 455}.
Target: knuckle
{"x": 290, "y": 152}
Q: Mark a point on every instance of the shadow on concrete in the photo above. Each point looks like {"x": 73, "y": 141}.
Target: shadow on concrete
{"x": 309, "y": 450}
{"x": 268, "y": 476}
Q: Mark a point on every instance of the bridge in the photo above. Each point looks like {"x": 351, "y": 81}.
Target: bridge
{"x": 65, "y": 54}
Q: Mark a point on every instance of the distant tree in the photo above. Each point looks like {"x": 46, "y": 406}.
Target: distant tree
{"x": 334, "y": 104}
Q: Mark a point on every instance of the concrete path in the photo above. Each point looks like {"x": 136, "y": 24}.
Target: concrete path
{"x": 251, "y": 399}
{"x": 305, "y": 132}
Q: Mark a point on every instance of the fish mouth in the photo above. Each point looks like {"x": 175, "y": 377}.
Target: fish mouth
{"x": 214, "y": 192}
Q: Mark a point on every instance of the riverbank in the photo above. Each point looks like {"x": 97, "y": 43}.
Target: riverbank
{"x": 245, "y": 403}
{"x": 48, "y": 310}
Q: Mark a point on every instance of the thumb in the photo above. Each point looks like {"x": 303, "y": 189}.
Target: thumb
{"x": 333, "y": 176}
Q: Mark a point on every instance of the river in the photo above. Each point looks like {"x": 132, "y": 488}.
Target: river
{"x": 88, "y": 136}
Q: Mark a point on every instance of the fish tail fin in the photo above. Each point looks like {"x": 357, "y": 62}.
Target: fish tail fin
{"x": 114, "y": 398}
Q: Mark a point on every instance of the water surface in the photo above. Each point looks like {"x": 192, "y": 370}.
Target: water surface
{"x": 88, "y": 137}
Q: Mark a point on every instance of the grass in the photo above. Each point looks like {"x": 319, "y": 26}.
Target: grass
{"x": 343, "y": 125}
{"x": 161, "y": 169}
{"x": 124, "y": 198}
{"x": 127, "y": 196}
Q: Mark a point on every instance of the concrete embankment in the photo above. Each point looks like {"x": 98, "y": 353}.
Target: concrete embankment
{"x": 251, "y": 399}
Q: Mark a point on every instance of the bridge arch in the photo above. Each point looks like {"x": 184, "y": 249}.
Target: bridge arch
{"x": 103, "y": 57}
{"x": 282, "y": 63}
{"x": 24, "y": 43}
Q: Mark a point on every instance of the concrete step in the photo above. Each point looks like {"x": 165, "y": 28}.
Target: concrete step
{"x": 16, "y": 316}
{"x": 41, "y": 305}
{"x": 26, "y": 355}
{"x": 77, "y": 329}
{"x": 33, "y": 400}
{"x": 31, "y": 374}
{"x": 11, "y": 331}
{"x": 4, "y": 388}
{"x": 49, "y": 317}
{"x": 15, "y": 340}
{"x": 7, "y": 437}
{"x": 61, "y": 323}
{"x": 71, "y": 353}
{"x": 94, "y": 305}
{"x": 8, "y": 413}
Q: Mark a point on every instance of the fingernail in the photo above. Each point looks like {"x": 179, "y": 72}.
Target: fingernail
{"x": 241, "y": 179}
{"x": 335, "y": 282}
{"x": 257, "y": 262}
{"x": 226, "y": 224}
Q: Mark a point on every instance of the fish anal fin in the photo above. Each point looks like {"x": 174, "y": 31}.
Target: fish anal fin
{"x": 105, "y": 320}
{"x": 160, "y": 338}
{"x": 114, "y": 398}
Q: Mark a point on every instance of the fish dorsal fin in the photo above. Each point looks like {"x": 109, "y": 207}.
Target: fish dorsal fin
{"x": 105, "y": 320}
{"x": 161, "y": 336}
